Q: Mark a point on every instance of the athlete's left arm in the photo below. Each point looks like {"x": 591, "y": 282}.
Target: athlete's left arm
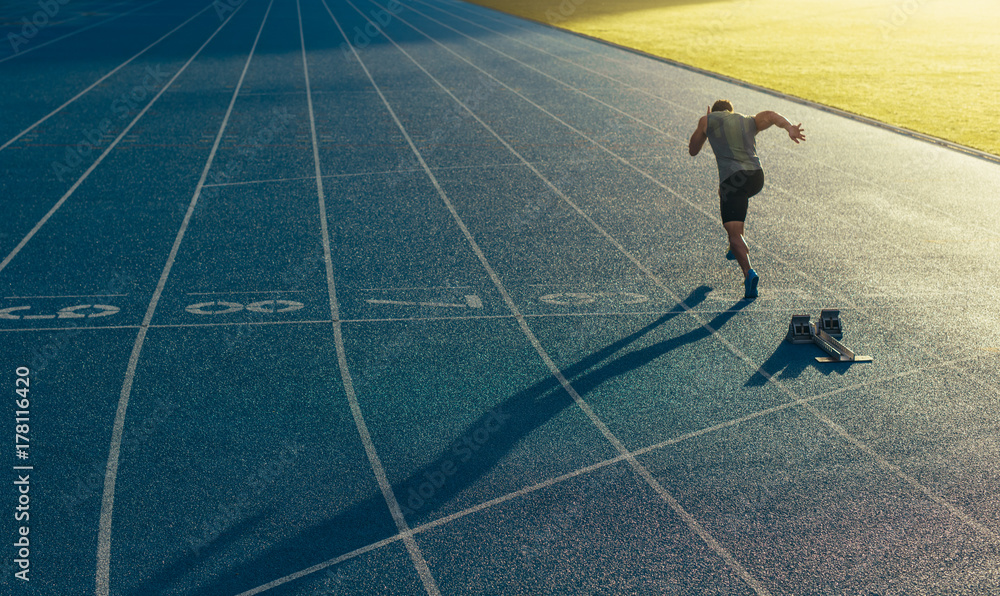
{"x": 700, "y": 135}
{"x": 765, "y": 119}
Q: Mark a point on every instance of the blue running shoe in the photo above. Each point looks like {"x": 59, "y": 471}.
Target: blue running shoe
{"x": 751, "y": 284}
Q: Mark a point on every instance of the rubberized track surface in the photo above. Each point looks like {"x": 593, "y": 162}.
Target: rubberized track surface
{"x": 446, "y": 311}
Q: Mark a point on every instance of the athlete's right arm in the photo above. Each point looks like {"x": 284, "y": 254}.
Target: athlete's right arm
{"x": 766, "y": 118}
{"x": 700, "y": 135}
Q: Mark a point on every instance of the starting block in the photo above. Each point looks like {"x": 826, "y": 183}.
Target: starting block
{"x": 829, "y": 321}
{"x": 826, "y": 335}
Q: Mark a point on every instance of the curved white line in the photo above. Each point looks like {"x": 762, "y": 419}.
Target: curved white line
{"x": 103, "y": 575}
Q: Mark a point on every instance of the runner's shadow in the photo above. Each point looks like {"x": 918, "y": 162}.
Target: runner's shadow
{"x": 636, "y": 359}
{"x": 433, "y": 485}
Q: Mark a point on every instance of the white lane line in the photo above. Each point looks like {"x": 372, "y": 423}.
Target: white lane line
{"x": 81, "y": 30}
{"x": 245, "y": 292}
{"x": 411, "y": 319}
{"x": 880, "y": 460}
{"x": 323, "y": 565}
{"x": 688, "y": 519}
{"x": 419, "y": 562}
{"x": 68, "y": 296}
{"x": 243, "y": 323}
{"x": 566, "y": 60}
{"x": 545, "y": 74}
{"x": 67, "y": 328}
{"x": 103, "y": 574}
{"x": 437, "y": 304}
{"x": 375, "y": 173}
{"x": 802, "y": 401}
{"x": 246, "y": 182}
{"x": 828, "y": 164}
{"x": 388, "y": 320}
{"x": 547, "y": 31}
{"x": 101, "y": 80}
{"x": 825, "y": 163}
{"x": 97, "y": 162}
{"x": 414, "y": 288}
{"x": 529, "y": 27}
{"x": 180, "y": 325}
{"x": 611, "y": 153}
{"x": 437, "y": 523}
{"x": 392, "y": 302}
{"x": 674, "y": 441}
{"x": 860, "y": 445}
{"x": 588, "y": 469}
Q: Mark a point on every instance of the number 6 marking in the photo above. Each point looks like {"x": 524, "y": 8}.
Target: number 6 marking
{"x": 264, "y": 306}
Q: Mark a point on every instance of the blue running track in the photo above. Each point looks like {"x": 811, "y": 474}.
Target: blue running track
{"x": 412, "y": 297}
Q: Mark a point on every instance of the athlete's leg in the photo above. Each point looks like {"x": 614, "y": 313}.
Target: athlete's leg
{"x": 736, "y": 244}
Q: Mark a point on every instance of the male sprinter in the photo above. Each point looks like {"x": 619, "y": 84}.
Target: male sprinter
{"x": 732, "y": 138}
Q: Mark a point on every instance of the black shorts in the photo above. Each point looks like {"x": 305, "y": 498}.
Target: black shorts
{"x": 735, "y": 193}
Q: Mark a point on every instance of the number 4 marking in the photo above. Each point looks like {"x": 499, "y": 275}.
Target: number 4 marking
{"x": 471, "y": 301}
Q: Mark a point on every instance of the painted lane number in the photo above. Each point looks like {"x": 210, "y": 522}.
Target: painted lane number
{"x": 581, "y": 298}
{"x": 80, "y": 311}
{"x": 220, "y": 307}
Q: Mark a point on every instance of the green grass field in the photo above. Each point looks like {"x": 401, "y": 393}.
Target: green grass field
{"x": 932, "y": 66}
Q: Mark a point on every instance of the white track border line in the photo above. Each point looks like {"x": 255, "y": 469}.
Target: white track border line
{"x": 780, "y": 189}
{"x": 688, "y": 519}
{"x": 622, "y": 160}
{"x": 531, "y": 27}
{"x": 850, "y": 439}
{"x": 630, "y": 313}
{"x": 100, "y": 158}
{"x": 321, "y": 566}
{"x": 590, "y": 139}
{"x": 81, "y": 30}
{"x": 823, "y": 108}
{"x": 103, "y": 574}
{"x": 390, "y": 320}
{"x": 969, "y": 151}
{"x": 70, "y": 296}
{"x": 351, "y": 174}
{"x": 419, "y": 562}
{"x": 617, "y": 157}
{"x": 544, "y": 51}
{"x": 591, "y": 468}
{"x": 100, "y": 80}
{"x": 667, "y": 134}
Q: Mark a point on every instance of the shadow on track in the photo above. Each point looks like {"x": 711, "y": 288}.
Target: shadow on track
{"x": 788, "y": 361}
{"x": 448, "y": 475}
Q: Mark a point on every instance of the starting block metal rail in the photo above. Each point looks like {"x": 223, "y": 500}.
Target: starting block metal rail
{"x": 826, "y": 335}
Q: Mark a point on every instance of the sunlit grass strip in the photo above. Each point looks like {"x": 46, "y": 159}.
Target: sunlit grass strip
{"x": 925, "y": 65}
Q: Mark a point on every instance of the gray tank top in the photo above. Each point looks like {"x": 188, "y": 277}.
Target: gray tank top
{"x": 732, "y": 138}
